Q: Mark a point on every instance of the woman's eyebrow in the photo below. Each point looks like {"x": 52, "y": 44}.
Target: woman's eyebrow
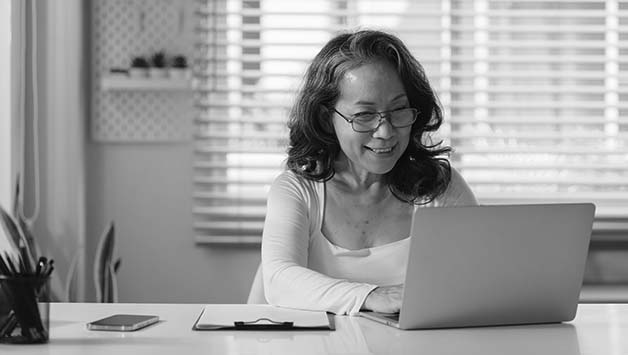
{"x": 400, "y": 96}
{"x": 396, "y": 98}
{"x": 360, "y": 102}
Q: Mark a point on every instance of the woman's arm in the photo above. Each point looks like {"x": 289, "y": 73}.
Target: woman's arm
{"x": 287, "y": 280}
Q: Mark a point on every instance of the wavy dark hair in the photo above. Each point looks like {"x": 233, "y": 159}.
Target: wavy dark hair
{"x": 423, "y": 172}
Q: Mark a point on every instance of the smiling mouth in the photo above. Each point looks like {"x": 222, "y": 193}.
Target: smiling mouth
{"x": 380, "y": 150}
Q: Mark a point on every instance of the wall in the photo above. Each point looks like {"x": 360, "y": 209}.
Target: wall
{"x": 146, "y": 190}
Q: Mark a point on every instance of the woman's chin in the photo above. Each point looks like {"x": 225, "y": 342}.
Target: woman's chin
{"x": 381, "y": 169}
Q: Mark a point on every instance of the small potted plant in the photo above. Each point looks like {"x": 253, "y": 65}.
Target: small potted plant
{"x": 139, "y": 67}
{"x": 119, "y": 72}
{"x": 179, "y": 68}
{"x": 158, "y": 68}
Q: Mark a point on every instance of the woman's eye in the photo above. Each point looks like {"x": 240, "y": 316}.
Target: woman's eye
{"x": 364, "y": 115}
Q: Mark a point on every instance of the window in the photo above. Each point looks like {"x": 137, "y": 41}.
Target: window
{"x": 535, "y": 96}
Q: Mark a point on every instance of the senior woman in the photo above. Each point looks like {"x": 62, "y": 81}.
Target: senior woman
{"x": 360, "y": 162}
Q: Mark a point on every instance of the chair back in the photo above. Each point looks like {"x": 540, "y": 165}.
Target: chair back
{"x": 256, "y": 294}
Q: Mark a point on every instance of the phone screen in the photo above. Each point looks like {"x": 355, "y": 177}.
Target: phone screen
{"x": 123, "y": 322}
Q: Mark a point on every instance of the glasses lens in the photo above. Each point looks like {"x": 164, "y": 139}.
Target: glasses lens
{"x": 402, "y": 118}
{"x": 365, "y": 122}
{"x": 370, "y": 121}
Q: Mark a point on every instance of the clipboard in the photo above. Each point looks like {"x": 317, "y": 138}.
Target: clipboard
{"x": 261, "y": 317}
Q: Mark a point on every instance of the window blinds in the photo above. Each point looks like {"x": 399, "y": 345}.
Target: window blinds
{"x": 535, "y": 96}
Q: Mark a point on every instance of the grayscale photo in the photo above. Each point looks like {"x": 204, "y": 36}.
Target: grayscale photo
{"x": 313, "y": 177}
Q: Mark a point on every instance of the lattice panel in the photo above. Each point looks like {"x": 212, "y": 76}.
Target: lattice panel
{"x": 123, "y": 29}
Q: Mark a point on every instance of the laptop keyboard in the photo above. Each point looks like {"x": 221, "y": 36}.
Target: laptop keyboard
{"x": 391, "y": 316}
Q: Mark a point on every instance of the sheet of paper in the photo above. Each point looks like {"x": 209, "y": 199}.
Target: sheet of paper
{"x": 227, "y": 314}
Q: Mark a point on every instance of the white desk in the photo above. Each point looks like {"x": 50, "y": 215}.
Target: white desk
{"x": 597, "y": 329}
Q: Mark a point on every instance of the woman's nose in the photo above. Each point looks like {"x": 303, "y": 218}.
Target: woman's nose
{"x": 384, "y": 130}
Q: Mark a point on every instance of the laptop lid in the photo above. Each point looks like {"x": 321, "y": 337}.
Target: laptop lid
{"x": 495, "y": 265}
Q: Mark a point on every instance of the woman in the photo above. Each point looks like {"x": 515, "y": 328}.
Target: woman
{"x": 336, "y": 234}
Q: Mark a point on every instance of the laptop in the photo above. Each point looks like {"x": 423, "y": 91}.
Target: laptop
{"x": 493, "y": 265}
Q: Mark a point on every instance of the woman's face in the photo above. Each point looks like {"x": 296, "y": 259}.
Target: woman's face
{"x": 373, "y": 87}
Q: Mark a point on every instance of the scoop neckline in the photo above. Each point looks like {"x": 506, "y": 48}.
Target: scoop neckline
{"x": 336, "y": 246}
{"x": 320, "y": 227}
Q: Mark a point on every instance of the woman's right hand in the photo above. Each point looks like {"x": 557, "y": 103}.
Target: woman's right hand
{"x": 386, "y": 299}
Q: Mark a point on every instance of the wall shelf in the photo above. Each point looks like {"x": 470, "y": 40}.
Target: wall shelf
{"x": 121, "y": 82}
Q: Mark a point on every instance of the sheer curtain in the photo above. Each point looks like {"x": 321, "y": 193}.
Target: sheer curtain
{"x": 6, "y": 118}
{"x": 49, "y": 71}
{"x": 6, "y": 104}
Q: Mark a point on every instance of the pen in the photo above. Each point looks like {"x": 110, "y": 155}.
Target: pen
{"x": 8, "y": 325}
{"x": 40, "y": 269}
{"x": 46, "y": 268}
{"x": 21, "y": 266}
{"x": 25, "y": 260}
{"x": 10, "y": 265}
{"x": 49, "y": 270}
{"x": 4, "y": 269}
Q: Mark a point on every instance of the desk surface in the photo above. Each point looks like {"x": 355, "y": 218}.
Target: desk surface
{"x": 597, "y": 329}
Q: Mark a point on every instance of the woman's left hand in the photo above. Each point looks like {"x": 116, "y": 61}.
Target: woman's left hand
{"x": 386, "y": 299}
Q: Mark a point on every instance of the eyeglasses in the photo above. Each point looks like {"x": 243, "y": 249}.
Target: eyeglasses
{"x": 370, "y": 121}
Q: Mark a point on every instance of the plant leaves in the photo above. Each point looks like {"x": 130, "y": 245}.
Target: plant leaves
{"x": 71, "y": 292}
{"x": 16, "y": 197}
{"x": 116, "y": 265}
{"x": 23, "y": 245}
{"x": 102, "y": 262}
{"x": 29, "y": 238}
{"x": 13, "y": 235}
{"x": 111, "y": 287}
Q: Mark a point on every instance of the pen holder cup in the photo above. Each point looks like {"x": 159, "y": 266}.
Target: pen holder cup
{"x": 24, "y": 309}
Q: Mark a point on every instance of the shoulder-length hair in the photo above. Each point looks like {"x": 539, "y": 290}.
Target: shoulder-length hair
{"x": 423, "y": 172}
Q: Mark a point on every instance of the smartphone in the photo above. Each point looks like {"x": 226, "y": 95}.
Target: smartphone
{"x": 123, "y": 322}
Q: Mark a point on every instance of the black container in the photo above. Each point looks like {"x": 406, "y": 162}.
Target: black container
{"x": 24, "y": 309}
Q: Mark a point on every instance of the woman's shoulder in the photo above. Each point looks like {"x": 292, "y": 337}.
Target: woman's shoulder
{"x": 290, "y": 177}
{"x": 288, "y": 180}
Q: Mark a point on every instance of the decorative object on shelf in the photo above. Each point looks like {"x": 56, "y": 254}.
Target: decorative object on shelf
{"x": 179, "y": 68}
{"x": 158, "y": 68}
{"x": 139, "y": 67}
{"x": 119, "y": 72}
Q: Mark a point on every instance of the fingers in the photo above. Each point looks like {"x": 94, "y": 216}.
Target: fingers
{"x": 385, "y": 299}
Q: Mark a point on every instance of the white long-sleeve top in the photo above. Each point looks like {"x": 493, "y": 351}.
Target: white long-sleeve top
{"x": 303, "y": 269}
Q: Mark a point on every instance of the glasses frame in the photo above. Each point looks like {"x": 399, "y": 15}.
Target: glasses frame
{"x": 382, "y": 117}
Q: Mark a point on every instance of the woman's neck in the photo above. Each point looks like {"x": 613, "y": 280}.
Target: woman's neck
{"x": 367, "y": 191}
{"x": 357, "y": 179}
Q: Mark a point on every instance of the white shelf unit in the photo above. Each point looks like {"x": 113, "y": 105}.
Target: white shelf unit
{"x": 121, "y": 82}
